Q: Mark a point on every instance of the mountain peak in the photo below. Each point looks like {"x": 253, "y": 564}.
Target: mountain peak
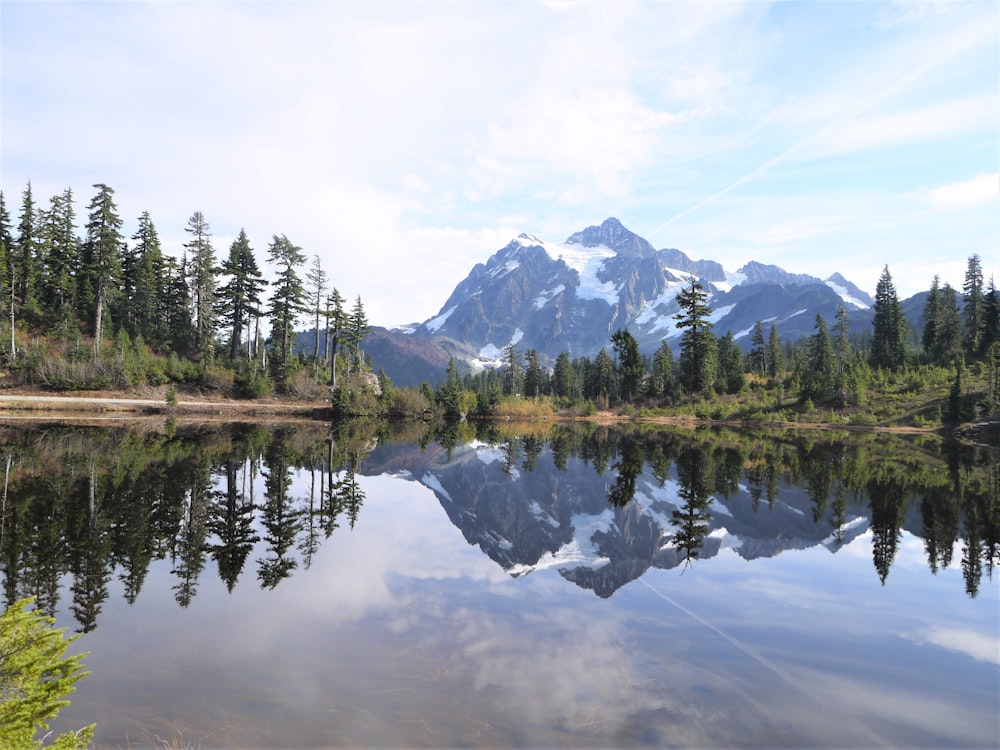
{"x": 613, "y": 234}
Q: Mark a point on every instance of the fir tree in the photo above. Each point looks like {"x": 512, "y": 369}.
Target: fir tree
{"x": 757, "y": 357}
{"x": 972, "y": 296}
{"x": 889, "y": 326}
{"x": 631, "y": 369}
{"x": 202, "y": 280}
{"x": 534, "y": 375}
{"x": 60, "y": 256}
{"x": 239, "y": 299}
{"x": 697, "y": 362}
{"x": 317, "y": 279}
{"x": 931, "y": 313}
{"x": 563, "y": 376}
{"x": 102, "y": 257}
{"x": 775, "y": 354}
{"x": 287, "y": 303}
{"x": 147, "y": 285}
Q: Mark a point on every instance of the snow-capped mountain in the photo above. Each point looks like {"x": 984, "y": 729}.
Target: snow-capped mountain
{"x": 572, "y": 296}
{"x": 546, "y": 517}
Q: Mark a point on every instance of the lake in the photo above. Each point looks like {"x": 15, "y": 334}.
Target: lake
{"x": 569, "y": 586}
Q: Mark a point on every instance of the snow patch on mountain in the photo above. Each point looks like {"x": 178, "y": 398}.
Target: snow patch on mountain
{"x": 579, "y": 552}
{"x": 518, "y": 335}
{"x": 845, "y": 294}
{"x": 436, "y": 323}
{"x": 506, "y": 268}
{"x": 720, "y": 312}
{"x": 430, "y": 481}
{"x": 587, "y": 262}
{"x": 548, "y": 295}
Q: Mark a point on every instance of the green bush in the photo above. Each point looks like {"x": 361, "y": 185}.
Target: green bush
{"x": 35, "y": 678}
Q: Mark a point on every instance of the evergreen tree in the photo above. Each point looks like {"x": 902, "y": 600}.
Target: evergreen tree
{"x": 661, "y": 380}
{"x": 36, "y": 675}
{"x": 757, "y": 356}
{"x": 317, "y": 279}
{"x": 101, "y": 257}
{"x": 601, "y": 381}
{"x": 175, "y": 307}
{"x": 730, "y": 377}
{"x": 947, "y": 343}
{"x": 889, "y": 326}
{"x": 931, "y": 312}
{"x": 513, "y": 379}
{"x": 697, "y": 362}
{"x": 631, "y": 369}
{"x": 60, "y": 255}
{"x": 202, "y": 280}
{"x": 336, "y": 321}
{"x": 841, "y": 352}
{"x": 563, "y": 376}
{"x": 357, "y": 329}
{"x": 972, "y": 296}
{"x": 816, "y": 381}
{"x": 534, "y": 375}
{"x": 6, "y": 238}
{"x": 24, "y": 258}
{"x": 287, "y": 303}
{"x": 991, "y": 316}
{"x": 148, "y": 281}
{"x": 239, "y": 299}
{"x": 775, "y": 354}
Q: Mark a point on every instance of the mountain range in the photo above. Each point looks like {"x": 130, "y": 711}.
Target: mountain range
{"x": 572, "y": 296}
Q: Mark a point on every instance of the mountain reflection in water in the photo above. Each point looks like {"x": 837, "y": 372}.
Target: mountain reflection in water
{"x": 89, "y": 516}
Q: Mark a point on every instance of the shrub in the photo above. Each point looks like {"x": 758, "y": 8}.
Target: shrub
{"x": 35, "y": 678}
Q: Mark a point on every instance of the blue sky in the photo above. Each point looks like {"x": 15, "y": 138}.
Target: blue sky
{"x": 403, "y": 142}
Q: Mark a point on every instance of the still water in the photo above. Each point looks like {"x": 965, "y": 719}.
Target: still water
{"x": 306, "y": 587}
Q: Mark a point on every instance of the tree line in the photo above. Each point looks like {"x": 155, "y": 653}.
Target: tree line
{"x": 106, "y": 310}
{"x": 831, "y": 367}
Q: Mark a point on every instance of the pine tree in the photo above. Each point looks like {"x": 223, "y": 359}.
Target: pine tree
{"x": 60, "y": 257}
{"x": 697, "y": 362}
{"x": 816, "y": 382}
{"x": 148, "y": 285}
{"x": 631, "y": 369}
{"x": 775, "y": 354}
{"x": 757, "y": 357}
{"x": 601, "y": 380}
{"x": 563, "y": 376}
{"x": 24, "y": 259}
{"x": 730, "y": 377}
{"x": 534, "y": 375}
{"x": 972, "y": 296}
{"x": 36, "y": 675}
{"x": 239, "y": 299}
{"x": 991, "y": 316}
{"x": 175, "y": 307}
{"x": 513, "y": 380}
{"x": 661, "y": 380}
{"x": 947, "y": 344}
{"x": 357, "y": 329}
{"x": 101, "y": 257}
{"x": 317, "y": 279}
{"x": 841, "y": 351}
{"x": 889, "y": 326}
{"x": 287, "y": 303}
{"x": 931, "y": 311}
{"x": 336, "y": 321}
{"x": 202, "y": 280}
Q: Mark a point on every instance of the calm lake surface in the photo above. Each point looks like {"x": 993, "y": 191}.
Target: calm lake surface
{"x": 303, "y": 587}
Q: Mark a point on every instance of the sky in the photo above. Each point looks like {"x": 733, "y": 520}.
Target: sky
{"x": 404, "y": 142}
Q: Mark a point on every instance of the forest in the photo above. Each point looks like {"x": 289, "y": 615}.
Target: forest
{"x": 107, "y": 311}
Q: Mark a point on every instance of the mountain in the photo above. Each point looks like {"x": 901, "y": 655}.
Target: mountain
{"x": 571, "y": 297}
{"x": 544, "y": 515}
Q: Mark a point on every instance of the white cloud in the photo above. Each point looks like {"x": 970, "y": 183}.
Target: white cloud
{"x": 980, "y": 647}
{"x": 981, "y": 189}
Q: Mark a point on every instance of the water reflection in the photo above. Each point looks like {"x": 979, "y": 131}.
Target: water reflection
{"x": 601, "y": 506}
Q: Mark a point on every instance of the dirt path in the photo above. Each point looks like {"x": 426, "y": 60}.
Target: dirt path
{"x": 31, "y": 402}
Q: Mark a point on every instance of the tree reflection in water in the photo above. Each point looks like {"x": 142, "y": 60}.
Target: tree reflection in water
{"x": 89, "y": 503}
